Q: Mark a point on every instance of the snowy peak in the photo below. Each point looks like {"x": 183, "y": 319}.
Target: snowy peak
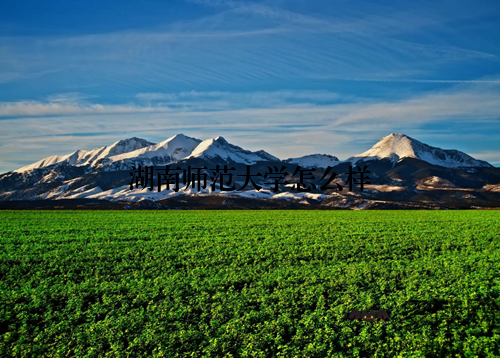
{"x": 220, "y": 148}
{"x": 87, "y": 157}
{"x": 53, "y": 159}
{"x": 266, "y": 155}
{"x": 181, "y": 143}
{"x": 127, "y": 145}
{"x": 221, "y": 140}
{"x": 314, "y": 161}
{"x": 396, "y": 146}
{"x": 117, "y": 148}
{"x": 172, "y": 149}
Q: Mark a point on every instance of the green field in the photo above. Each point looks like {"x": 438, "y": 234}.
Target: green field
{"x": 249, "y": 283}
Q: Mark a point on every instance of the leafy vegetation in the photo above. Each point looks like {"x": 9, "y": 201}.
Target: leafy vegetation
{"x": 249, "y": 283}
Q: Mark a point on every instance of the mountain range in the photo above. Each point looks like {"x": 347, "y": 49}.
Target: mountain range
{"x": 404, "y": 173}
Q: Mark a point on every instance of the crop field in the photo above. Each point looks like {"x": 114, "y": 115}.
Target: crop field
{"x": 249, "y": 283}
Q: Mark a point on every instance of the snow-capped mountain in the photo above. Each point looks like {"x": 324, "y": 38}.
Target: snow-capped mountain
{"x": 177, "y": 147}
{"x": 396, "y": 146}
{"x": 169, "y": 151}
{"x": 315, "y": 160}
{"x": 219, "y": 148}
{"x": 88, "y": 157}
{"x": 419, "y": 174}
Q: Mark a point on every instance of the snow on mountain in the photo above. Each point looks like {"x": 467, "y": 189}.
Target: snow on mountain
{"x": 314, "y": 161}
{"x": 220, "y": 148}
{"x": 396, "y": 146}
{"x": 86, "y": 157}
{"x": 124, "y": 193}
{"x": 172, "y": 149}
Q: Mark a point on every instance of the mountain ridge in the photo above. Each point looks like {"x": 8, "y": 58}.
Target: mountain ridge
{"x": 85, "y": 157}
{"x": 394, "y": 147}
{"x": 403, "y": 173}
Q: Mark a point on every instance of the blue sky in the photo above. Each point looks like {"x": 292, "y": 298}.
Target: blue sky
{"x": 292, "y": 77}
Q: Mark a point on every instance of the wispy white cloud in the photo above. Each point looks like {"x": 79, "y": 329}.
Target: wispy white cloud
{"x": 70, "y": 97}
{"x": 72, "y": 104}
{"x": 6, "y": 77}
{"x": 56, "y": 108}
{"x": 442, "y": 51}
{"x": 464, "y": 101}
{"x": 242, "y": 99}
{"x": 473, "y": 102}
{"x": 492, "y": 157}
{"x": 264, "y": 10}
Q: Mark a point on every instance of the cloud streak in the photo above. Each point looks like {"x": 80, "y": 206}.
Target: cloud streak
{"x": 464, "y": 103}
{"x": 40, "y": 109}
{"x": 478, "y": 100}
{"x": 490, "y": 156}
